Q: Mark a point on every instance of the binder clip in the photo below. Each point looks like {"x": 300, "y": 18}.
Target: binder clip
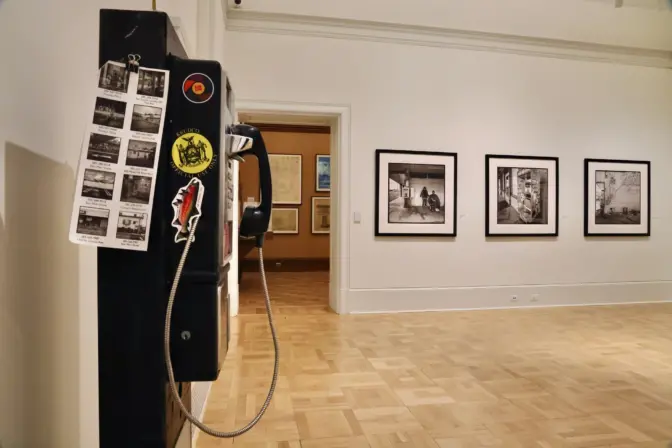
{"x": 133, "y": 63}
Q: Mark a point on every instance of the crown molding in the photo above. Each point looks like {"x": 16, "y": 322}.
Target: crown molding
{"x": 312, "y": 26}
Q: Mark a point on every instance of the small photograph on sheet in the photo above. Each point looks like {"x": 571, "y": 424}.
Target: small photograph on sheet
{"x": 104, "y": 148}
{"x": 146, "y": 119}
{"x": 132, "y": 226}
{"x": 98, "y": 184}
{"x": 136, "y": 189}
{"x": 110, "y": 113}
{"x": 141, "y": 153}
{"x": 151, "y": 85}
{"x": 93, "y": 221}
{"x": 114, "y": 78}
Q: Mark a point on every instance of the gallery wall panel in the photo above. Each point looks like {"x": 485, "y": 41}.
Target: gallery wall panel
{"x": 477, "y": 103}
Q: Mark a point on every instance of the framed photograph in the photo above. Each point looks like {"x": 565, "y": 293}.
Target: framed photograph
{"x": 521, "y": 195}
{"x": 286, "y": 174}
{"x": 285, "y": 221}
{"x": 322, "y": 173}
{"x": 617, "y": 197}
{"x": 416, "y": 193}
{"x": 321, "y": 214}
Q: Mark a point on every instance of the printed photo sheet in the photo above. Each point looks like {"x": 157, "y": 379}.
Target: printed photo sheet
{"x": 119, "y": 158}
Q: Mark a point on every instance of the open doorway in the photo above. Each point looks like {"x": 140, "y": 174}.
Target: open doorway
{"x": 297, "y": 248}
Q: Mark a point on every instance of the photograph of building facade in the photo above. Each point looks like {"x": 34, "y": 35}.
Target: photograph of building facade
{"x": 141, "y": 153}
{"x": 522, "y": 195}
{"x": 618, "y": 197}
{"x": 93, "y": 221}
{"x": 132, "y": 226}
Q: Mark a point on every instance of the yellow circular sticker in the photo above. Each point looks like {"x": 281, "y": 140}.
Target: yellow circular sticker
{"x": 198, "y": 88}
{"x": 192, "y": 153}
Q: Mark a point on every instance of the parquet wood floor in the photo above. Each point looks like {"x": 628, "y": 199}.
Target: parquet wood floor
{"x": 556, "y": 377}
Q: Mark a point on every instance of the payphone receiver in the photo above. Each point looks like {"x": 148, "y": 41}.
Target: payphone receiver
{"x": 255, "y": 219}
{"x": 246, "y": 140}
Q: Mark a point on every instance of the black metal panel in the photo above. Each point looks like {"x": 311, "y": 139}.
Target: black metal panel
{"x": 132, "y": 291}
{"x": 195, "y": 330}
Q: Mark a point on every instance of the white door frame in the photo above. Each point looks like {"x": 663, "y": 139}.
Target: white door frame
{"x": 339, "y": 245}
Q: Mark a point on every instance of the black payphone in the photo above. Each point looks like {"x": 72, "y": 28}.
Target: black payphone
{"x": 163, "y": 313}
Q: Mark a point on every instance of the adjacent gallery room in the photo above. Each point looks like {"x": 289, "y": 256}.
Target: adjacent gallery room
{"x": 296, "y": 247}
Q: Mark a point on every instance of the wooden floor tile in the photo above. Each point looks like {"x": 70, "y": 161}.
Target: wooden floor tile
{"x": 337, "y": 442}
{"x": 412, "y": 439}
{"x": 326, "y": 424}
{"x": 387, "y": 420}
{"x": 544, "y": 378}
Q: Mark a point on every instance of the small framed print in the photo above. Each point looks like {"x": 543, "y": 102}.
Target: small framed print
{"x": 416, "y": 193}
{"x": 322, "y": 173}
{"x": 617, "y": 197}
{"x": 285, "y": 221}
{"x": 521, "y": 195}
{"x": 321, "y": 214}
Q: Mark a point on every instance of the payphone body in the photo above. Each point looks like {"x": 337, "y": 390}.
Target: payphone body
{"x": 136, "y": 407}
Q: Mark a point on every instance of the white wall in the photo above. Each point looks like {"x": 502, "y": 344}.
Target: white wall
{"x": 48, "y": 331}
{"x": 595, "y": 21}
{"x": 473, "y": 103}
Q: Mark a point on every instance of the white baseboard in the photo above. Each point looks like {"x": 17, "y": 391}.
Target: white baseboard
{"x": 200, "y": 394}
{"x": 473, "y": 298}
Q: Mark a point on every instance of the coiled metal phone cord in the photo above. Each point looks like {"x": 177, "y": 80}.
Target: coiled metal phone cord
{"x": 169, "y": 364}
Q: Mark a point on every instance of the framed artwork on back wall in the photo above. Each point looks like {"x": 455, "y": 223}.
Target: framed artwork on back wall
{"x": 285, "y": 221}
{"x": 322, "y": 173}
{"x": 286, "y": 174}
{"x": 416, "y": 193}
{"x": 521, "y": 195}
{"x": 617, "y": 197}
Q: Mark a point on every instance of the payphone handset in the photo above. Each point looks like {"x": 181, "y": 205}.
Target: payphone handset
{"x": 255, "y": 219}
{"x": 244, "y": 140}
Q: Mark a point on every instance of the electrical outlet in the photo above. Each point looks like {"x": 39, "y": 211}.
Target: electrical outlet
{"x": 535, "y": 297}
{"x": 514, "y": 298}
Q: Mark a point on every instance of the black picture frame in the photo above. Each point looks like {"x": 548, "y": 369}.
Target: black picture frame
{"x": 590, "y": 181}
{"x": 521, "y": 231}
{"x": 449, "y": 223}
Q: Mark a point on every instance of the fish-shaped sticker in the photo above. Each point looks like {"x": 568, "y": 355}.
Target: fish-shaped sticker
{"x": 187, "y": 207}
